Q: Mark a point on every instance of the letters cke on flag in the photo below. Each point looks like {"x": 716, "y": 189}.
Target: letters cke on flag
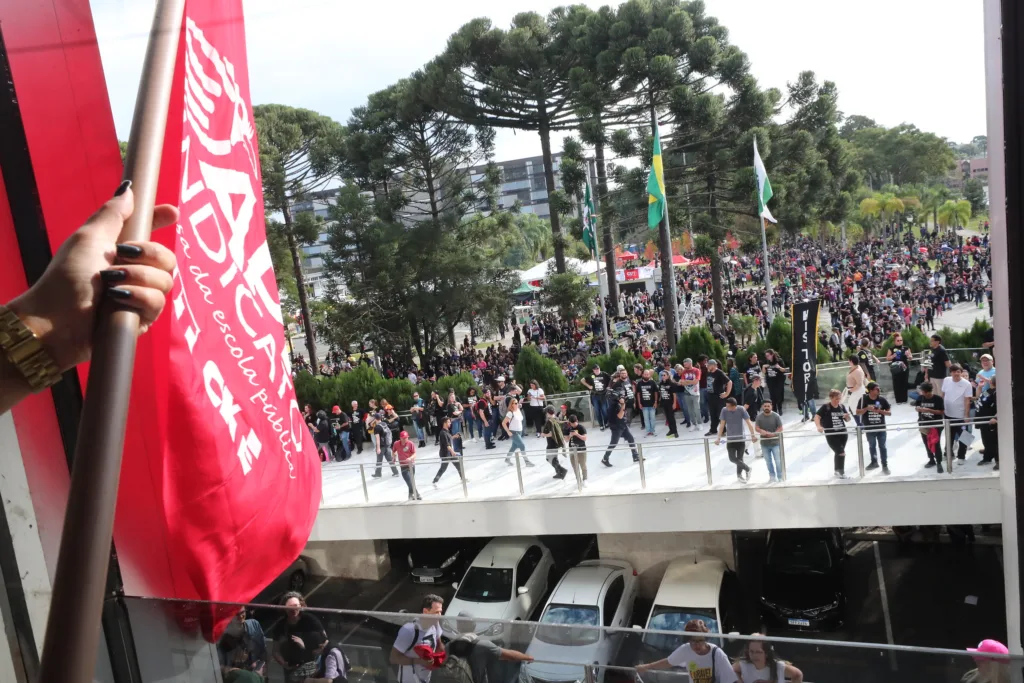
{"x": 221, "y": 480}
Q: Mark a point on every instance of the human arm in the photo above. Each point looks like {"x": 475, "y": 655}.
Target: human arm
{"x": 793, "y": 674}
{"x": 61, "y": 308}
{"x": 753, "y": 433}
{"x": 817, "y": 423}
{"x": 659, "y": 665}
{"x": 514, "y": 656}
{"x": 728, "y": 390}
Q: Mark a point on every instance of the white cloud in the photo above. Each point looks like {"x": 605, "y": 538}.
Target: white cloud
{"x": 921, "y": 62}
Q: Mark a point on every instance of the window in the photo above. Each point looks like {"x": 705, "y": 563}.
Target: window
{"x": 674, "y": 619}
{"x": 514, "y": 173}
{"x": 539, "y": 182}
{"x": 612, "y": 599}
{"x": 486, "y": 584}
{"x": 523, "y": 196}
{"x": 527, "y": 565}
{"x": 559, "y": 621}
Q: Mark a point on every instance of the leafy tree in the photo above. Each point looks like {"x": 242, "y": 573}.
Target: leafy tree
{"x": 511, "y": 79}
{"x": 932, "y": 198}
{"x": 697, "y": 341}
{"x": 974, "y": 192}
{"x": 854, "y": 123}
{"x": 900, "y": 155}
{"x": 531, "y": 366}
{"x": 954, "y": 214}
{"x": 568, "y": 293}
{"x": 881, "y": 207}
{"x": 745, "y": 327}
{"x": 610, "y": 361}
{"x": 406, "y": 238}
{"x": 124, "y": 148}
{"x": 294, "y": 146}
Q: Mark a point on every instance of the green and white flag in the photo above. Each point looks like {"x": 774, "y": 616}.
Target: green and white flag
{"x": 764, "y": 187}
{"x": 589, "y": 219}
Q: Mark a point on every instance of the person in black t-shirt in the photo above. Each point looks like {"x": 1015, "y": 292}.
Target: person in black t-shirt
{"x": 577, "y": 447}
{"x": 831, "y": 420}
{"x": 867, "y": 359}
{"x": 647, "y": 400}
{"x": 988, "y": 428}
{"x": 719, "y": 389}
{"x": 666, "y": 396}
{"x": 620, "y": 429}
{"x": 597, "y": 384}
{"x": 872, "y": 410}
{"x": 775, "y": 376}
{"x": 940, "y": 365}
{"x": 300, "y": 640}
{"x": 899, "y": 357}
{"x": 930, "y": 410}
{"x": 448, "y": 453}
{"x": 552, "y": 431}
{"x": 753, "y": 396}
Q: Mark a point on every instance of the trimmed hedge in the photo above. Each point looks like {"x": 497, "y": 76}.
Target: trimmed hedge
{"x": 531, "y": 365}
{"x": 696, "y": 341}
{"x": 363, "y": 383}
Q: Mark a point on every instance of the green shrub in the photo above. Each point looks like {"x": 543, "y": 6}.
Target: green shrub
{"x": 531, "y": 365}
{"x": 608, "y": 362}
{"x": 460, "y": 382}
{"x": 363, "y": 383}
{"x": 697, "y": 341}
{"x": 912, "y": 337}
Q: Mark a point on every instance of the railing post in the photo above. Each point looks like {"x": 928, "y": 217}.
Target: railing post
{"x": 947, "y": 427}
{"x": 362, "y": 474}
{"x": 640, "y": 460}
{"x": 782, "y": 454}
{"x": 462, "y": 475}
{"x": 707, "y": 457}
{"x": 519, "y": 474}
{"x": 412, "y": 477}
{"x": 860, "y": 450}
{"x": 574, "y": 464}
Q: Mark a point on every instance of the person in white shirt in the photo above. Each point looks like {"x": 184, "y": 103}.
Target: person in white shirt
{"x": 703, "y": 662}
{"x": 759, "y": 663}
{"x": 536, "y": 412}
{"x": 957, "y": 394}
{"x": 424, "y": 631}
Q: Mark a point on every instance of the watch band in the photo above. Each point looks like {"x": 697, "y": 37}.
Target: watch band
{"x": 25, "y": 352}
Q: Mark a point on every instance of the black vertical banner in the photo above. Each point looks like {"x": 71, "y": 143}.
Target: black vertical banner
{"x": 805, "y": 347}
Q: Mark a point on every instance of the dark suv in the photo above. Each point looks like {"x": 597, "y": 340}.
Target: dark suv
{"x": 802, "y": 579}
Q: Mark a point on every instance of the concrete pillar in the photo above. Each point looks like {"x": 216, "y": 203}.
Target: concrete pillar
{"x": 349, "y": 559}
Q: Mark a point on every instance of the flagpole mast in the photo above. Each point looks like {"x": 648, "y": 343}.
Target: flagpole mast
{"x": 767, "y": 274}
{"x": 597, "y": 262}
{"x": 76, "y": 604}
{"x": 668, "y": 278}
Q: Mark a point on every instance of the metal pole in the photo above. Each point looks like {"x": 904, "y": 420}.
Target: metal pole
{"x": 668, "y": 278}
{"x": 947, "y": 427}
{"x": 600, "y": 289}
{"x": 76, "y": 604}
{"x": 366, "y": 491}
{"x": 842, "y": 226}
{"x": 519, "y": 473}
{"x": 860, "y": 451}
{"x": 640, "y": 461}
{"x": 707, "y": 457}
{"x": 462, "y": 475}
{"x": 782, "y": 453}
{"x": 767, "y": 272}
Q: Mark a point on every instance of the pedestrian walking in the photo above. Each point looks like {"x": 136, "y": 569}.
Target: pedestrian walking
{"x": 768, "y": 424}
{"x": 731, "y": 421}
{"x": 831, "y": 420}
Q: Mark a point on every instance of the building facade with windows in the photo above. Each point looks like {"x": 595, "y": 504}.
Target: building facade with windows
{"x": 523, "y": 180}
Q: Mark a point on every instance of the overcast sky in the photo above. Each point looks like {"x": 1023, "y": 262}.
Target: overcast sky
{"x": 916, "y": 61}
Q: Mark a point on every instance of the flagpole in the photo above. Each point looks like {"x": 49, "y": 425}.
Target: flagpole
{"x": 767, "y": 274}
{"x": 597, "y": 262}
{"x": 668, "y": 278}
{"x": 76, "y": 604}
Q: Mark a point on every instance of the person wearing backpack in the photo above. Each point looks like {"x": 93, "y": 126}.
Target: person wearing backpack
{"x": 332, "y": 667}
{"x": 702, "y": 661}
{"x": 382, "y": 444}
{"x": 471, "y": 659}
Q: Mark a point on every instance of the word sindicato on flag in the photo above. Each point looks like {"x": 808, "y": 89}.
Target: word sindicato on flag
{"x": 220, "y": 469}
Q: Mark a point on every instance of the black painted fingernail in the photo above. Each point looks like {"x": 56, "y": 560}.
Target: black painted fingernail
{"x": 129, "y": 251}
{"x": 122, "y": 188}
{"x": 110, "y": 276}
{"x": 116, "y": 293}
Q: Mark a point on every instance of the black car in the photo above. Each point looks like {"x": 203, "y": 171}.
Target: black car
{"x": 802, "y": 579}
{"x": 441, "y": 560}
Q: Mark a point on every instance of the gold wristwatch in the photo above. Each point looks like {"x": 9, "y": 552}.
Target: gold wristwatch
{"x": 25, "y": 352}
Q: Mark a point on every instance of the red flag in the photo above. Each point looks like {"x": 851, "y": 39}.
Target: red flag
{"x": 221, "y": 479}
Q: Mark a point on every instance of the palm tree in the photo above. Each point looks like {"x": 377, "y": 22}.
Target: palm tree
{"x": 954, "y": 214}
{"x": 881, "y": 206}
{"x": 932, "y": 198}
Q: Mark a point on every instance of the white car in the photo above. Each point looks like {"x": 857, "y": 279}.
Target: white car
{"x": 504, "y": 582}
{"x": 593, "y": 593}
{"x": 692, "y": 588}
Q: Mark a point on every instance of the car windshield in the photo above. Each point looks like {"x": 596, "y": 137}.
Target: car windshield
{"x": 567, "y": 617}
{"x": 800, "y": 556}
{"x": 486, "y": 584}
{"x": 674, "y": 619}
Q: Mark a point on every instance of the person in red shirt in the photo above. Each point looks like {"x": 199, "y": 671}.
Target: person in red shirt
{"x": 405, "y": 450}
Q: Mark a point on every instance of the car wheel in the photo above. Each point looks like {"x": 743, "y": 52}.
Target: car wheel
{"x": 297, "y": 581}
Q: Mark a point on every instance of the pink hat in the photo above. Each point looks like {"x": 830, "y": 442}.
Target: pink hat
{"x": 991, "y": 647}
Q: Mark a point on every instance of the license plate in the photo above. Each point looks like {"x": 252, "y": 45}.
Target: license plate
{"x": 800, "y": 622}
{"x": 427, "y": 579}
